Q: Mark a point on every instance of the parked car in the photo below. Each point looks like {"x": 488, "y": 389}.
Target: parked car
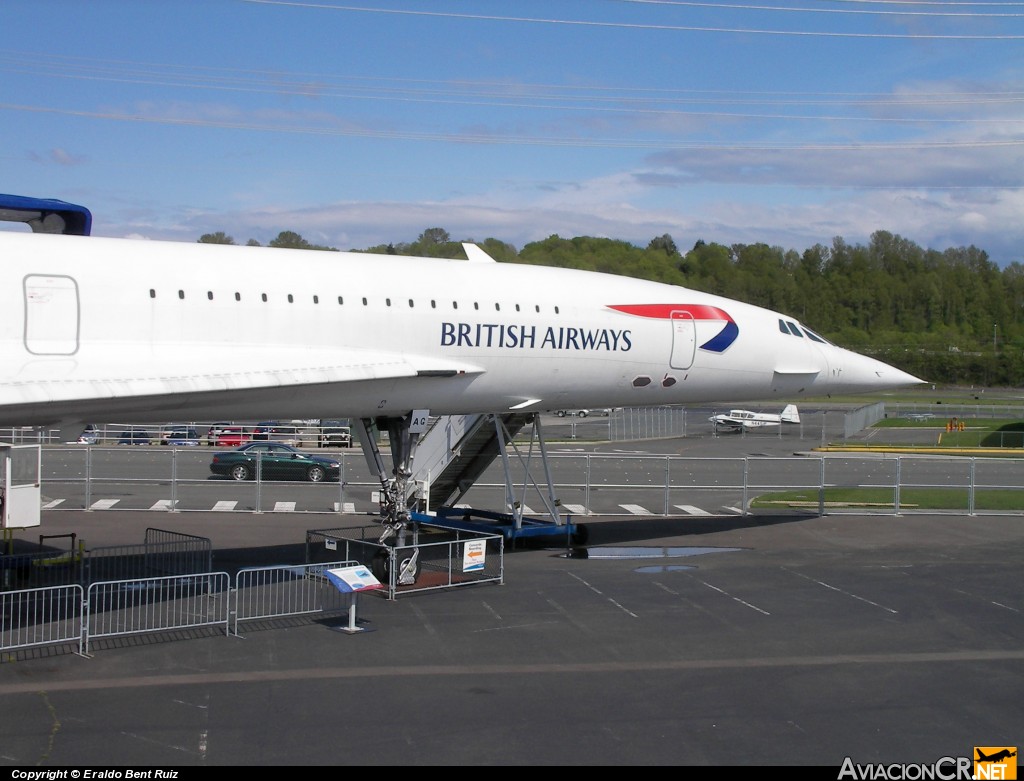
{"x": 89, "y": 436}
{"x": 334, "y": 434}
{"x": 274, "y": 461}
{"x": 179, "y": 436}
{"x": 232, "y": 436}
{"x": 215, "y": 431}
{"x": 266, "y": 432}
{"x": 133, "y": 437}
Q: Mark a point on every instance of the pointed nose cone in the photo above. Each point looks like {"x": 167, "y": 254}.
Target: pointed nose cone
{"x": 860, "y": 373}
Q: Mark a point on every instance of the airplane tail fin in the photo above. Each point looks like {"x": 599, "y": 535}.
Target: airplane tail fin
{"x": 790, "y": 414}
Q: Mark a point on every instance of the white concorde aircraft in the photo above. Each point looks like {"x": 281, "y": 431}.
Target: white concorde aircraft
{"x": 92, "y": 327}
{"x": 96, "y": 328}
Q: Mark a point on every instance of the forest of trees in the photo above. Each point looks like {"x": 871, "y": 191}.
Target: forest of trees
{"x": 950, "y": 316}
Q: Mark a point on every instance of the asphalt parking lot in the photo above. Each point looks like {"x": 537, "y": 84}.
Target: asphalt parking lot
{"x": 710, "y": 641}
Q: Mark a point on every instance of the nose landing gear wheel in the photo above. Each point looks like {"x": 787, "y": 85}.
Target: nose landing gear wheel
{"x": 408, "y": 567}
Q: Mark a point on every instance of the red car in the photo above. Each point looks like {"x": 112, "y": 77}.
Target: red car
{"x": 232, "y": 436}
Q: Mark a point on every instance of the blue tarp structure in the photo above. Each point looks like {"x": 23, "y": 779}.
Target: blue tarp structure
{"x": 46, "y": 215}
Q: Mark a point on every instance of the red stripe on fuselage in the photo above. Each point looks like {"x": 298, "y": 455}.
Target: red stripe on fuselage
{"x": 664, "y": 311}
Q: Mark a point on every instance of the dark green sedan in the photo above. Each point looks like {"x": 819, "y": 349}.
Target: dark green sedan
{"x": 274, "y": 461}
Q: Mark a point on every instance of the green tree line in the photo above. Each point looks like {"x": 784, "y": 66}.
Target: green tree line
{"x": 949, "y": 316}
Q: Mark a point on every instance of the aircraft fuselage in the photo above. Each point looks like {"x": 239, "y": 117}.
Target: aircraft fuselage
{"x": 92, "y": 325}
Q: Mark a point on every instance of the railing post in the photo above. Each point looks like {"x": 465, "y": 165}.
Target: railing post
{"x": 259, "y": 482}
{"x": 821, "y": 487}
{"x": 746, "y": 479}
{"x": 88, "y": 478}
{"x": 668, "y": 482}
{"x": 896, "y": 492}
{"x": 970, "y": 490}
{"x": 586, "y": 485}
{"x": 174, "y": 481}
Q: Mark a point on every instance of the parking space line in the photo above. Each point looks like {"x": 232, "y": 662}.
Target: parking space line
{"x": 689, "y": 509}
{"x": 636, "y": 509}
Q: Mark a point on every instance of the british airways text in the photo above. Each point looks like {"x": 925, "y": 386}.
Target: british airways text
{"x": 529, "y": 336}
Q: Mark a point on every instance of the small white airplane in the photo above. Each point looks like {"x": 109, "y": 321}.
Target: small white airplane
{"x": 97, "y": 328}
{"x": 741, "y": 419}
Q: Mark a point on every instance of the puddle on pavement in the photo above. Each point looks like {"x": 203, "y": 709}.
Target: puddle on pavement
{"x": 643, "y": 552}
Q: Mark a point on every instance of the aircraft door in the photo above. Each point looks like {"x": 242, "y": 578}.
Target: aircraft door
{"x": 684, "y": 340}
{"x": 20, "y": 494}
{"x": 51, "y": 314}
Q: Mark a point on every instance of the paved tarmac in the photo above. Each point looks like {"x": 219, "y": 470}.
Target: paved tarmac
{"x": 705, "y": 641}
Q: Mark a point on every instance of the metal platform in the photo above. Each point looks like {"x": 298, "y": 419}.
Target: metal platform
{"x": 505, "y": 524}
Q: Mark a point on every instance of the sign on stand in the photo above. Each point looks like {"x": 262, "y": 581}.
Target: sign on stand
{"x": 351, "y": 581}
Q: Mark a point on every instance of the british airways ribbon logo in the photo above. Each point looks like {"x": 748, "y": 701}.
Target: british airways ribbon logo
{"x": 718, "y": 343}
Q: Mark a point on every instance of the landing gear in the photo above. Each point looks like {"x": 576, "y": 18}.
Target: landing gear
{"x": 407, "y": 566}
{"x": 399, "y": 496}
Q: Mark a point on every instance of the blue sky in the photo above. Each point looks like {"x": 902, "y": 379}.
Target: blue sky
{"x": 788, "y": 122}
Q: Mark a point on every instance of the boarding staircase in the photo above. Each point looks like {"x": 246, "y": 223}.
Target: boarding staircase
{"x": 457, "y": 449}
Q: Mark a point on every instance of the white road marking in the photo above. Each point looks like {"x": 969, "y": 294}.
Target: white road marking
{"x": 575, "y": 509}
{"x": 737, "y": 599}
{"x": 284, "y": 507}
{"x": 225, "y": 506}
{"x": 51, "y": 505}
{"x": 636, "y": 509}
{"x": 689, "y": 509}
{"x": 163, "y": 504}
{"x": 349, "y": 508}
{"x": 104, "y": 504}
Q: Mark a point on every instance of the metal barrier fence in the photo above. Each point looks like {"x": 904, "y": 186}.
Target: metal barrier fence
{"x": 666, "y": 485}
{"x": 42, "y": 616}
{"x": 583, "y": 483}
{"x": 144, "y": 605}
{"x": 276, "y": 592}
{"x": 73, "y": 614}
{"x": 163, "y": 552}
{"x": 445, "y": 558}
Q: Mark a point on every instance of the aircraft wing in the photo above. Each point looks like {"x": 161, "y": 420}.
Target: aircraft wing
{"x": 192, "y": 370}
{"x": 725, "y": 422}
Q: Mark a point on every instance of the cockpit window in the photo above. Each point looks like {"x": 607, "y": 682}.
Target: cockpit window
{"x": 782, "y": 327}
{"x": 793, "y": 329}
{"x": 815, "y": 337}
